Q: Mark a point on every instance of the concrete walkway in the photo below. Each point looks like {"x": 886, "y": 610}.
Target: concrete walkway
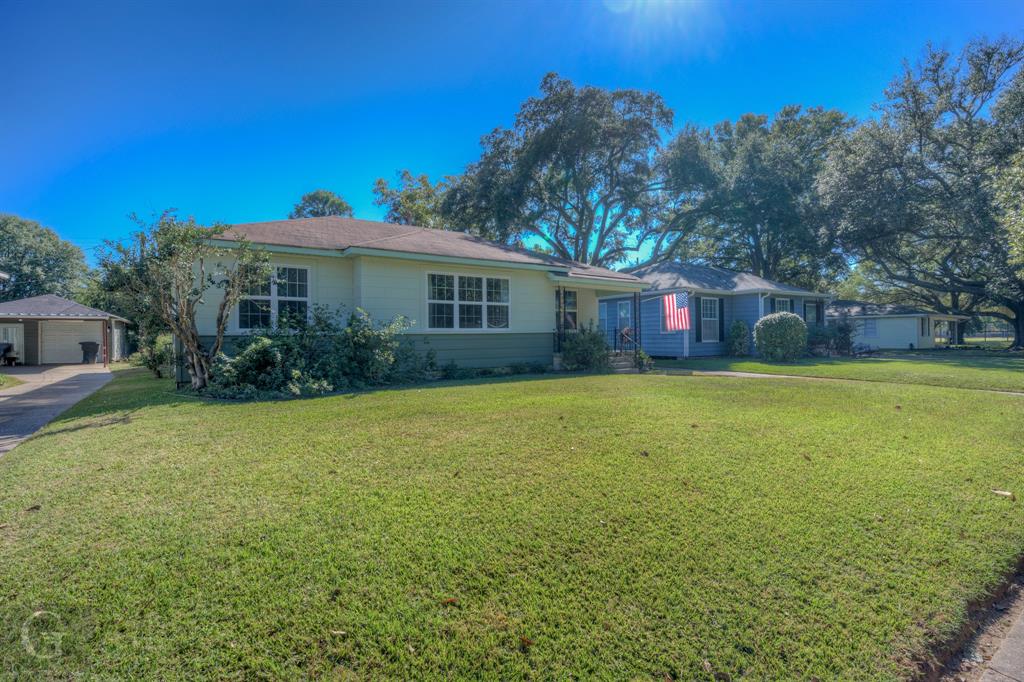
{"x": 48, "y": 390}
{"x": 1008, "y": 663}
{"x": 676, "y": 371}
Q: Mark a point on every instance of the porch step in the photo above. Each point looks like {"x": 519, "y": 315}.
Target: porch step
{"x": 622, "y": 363}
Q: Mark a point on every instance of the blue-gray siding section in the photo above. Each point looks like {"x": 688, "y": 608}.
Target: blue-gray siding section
{"x": 670, "y": 344}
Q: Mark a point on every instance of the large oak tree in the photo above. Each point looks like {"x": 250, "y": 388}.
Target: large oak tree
{"x": 742, "y": 195}
{"x": 912, "y": 192}
{"x": 573, "y": 173}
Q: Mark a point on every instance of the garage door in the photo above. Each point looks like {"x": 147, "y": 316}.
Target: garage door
{"x": 60, "y": 339}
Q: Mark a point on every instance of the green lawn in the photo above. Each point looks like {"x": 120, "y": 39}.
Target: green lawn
{"x": 7, "y": 381}
{"x": 1001, "y": 371}
{"x": 620, "y": 527}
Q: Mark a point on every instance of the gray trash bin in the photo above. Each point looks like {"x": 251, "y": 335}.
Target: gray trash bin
{"x": 89, "y": 351}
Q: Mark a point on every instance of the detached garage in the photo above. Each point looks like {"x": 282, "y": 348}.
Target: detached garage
{"x": 50, "y": 330}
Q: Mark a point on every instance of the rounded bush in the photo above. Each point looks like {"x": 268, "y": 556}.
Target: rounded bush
{"x": 780, "y": 336}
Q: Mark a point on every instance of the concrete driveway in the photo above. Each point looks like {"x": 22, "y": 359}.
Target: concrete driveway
{"x": 48, "y": 390}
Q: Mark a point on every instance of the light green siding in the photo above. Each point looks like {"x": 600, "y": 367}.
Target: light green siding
{"x": 390, "y": 287}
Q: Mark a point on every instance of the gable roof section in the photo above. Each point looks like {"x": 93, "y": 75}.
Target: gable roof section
{"x": 343, "y": 234}
{"x": 866, "y": 309}
{"x": 50, "y": 306}
{"x": 668, "y": 276}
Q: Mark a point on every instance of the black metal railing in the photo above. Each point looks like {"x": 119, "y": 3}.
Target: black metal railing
{"x": 621, "y": 340}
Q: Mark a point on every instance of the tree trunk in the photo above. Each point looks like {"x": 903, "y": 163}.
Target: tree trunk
{"x": 1018, "y": 328}
{"x": 199, "y": 371}
{"x": 958, "y": 332}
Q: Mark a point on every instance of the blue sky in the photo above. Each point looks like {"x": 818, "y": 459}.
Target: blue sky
{"x": 230, "y": 111}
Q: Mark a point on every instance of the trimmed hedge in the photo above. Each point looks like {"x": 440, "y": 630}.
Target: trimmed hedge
{"x": 780, "y": 336}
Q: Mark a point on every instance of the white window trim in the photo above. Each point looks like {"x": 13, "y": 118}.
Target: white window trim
{"x": 563, "y": 309}
{"x": 788, "y": 300}
{"x": 718, "y": 309}
{"x": 629, "y": 307}
{"x": 274, "y": 298}
{"x": 873, "y": 335}
{"x": 457, "y": 329}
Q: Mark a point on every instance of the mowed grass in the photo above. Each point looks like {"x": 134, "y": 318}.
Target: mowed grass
{"x": 619, "y": 527}
{"x": 7, "y": 381}
{"x": 999, "y": 371}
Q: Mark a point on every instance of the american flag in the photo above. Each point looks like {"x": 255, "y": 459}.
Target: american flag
{"x": 677, "y": 311}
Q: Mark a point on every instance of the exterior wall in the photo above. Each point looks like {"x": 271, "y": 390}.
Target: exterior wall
{"x": 31, "y": 342}
{"x": 894, "y": 333}
{"x": 330, "y": 285}
{"x": 118, "y": 341}
{"x": 468, "y": 350}
{"x": 670, "y": 344}
{"x": 387, "y": 287}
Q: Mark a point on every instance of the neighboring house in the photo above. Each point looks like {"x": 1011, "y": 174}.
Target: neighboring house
{"x": 472, "y": 301}
{"x": 47, "y": 330}
{"x": 890, "y": 326}
{"x": 717, "y": 296}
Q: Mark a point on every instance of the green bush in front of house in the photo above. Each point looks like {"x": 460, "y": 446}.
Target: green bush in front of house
{"x": 780, "y": 337}
{"x": 585, "y": 351}
{"x": 738, "y": 341}
{"x": 328, "y": 353}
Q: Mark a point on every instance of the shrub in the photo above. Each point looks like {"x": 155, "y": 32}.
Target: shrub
{"x": 738, "y": 341}
{"x": 155, "y": 353}
{"x": 780, "y": 336}
{"x": 821, "y": 339}
{"x": 843, "y": 333}
{"x": 645, "y": 362}
{"x": 586, "y": 350}
{"x": 320, "y": 356}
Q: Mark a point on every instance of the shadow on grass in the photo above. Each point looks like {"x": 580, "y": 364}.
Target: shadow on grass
{"x": 133, "y": 390}
{"x": 1002, "y": 361}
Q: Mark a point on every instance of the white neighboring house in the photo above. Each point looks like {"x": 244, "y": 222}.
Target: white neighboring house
{"x": 889, "y": 326}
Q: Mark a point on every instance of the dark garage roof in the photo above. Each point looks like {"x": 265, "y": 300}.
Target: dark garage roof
{"x": 49, "y": 306}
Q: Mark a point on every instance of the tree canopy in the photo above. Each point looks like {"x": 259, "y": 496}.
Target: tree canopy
{"x": 572, "y": 173}
{"x": 38, "y": 261}
{"x": 320, "y": 203}
{"x": 414, "y": 201}
{"x": 742, "y": 195}
{"x": 913, "y": 193}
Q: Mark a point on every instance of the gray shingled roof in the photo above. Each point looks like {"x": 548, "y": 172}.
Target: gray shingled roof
{"x": 50, "y": 306}
{"x": 864, "y": 308}
{"x": 667, "y": 276}
{"x": 337, "y": 233}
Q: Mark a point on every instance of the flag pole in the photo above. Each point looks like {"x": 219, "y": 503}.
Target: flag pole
{"x": 686, "y": 332}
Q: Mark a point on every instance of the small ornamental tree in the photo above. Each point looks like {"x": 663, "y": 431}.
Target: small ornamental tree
{"x": 780, "y": 336}
{"x": 172, "y": 265}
